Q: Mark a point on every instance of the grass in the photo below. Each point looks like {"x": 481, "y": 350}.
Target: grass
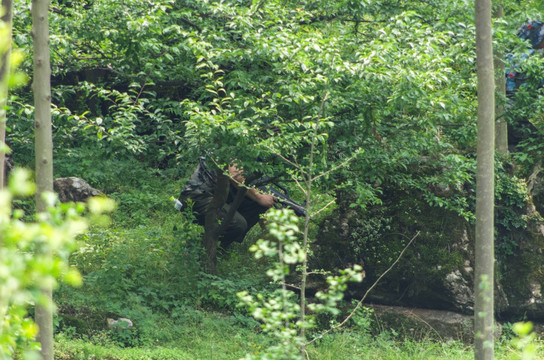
{"x": 212, "y": 336}
{"x": 348, "y": 345}
{"x": 147, "y": 267}
{"x": 217, "y": 339}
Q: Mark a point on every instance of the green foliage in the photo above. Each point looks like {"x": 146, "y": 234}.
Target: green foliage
{"x": 230, "y": 343}
{"x": 26, "y": 249}
{"x": 524, "y": 342}
{"x": 220, "y": 293}
{"x": 255, "y": 77}
{"x": 511, "y": 200}
{"x": 16, "y": 78}
{"x": 122, "y": 115}
{"x": 151, "y": 269}
{"x": 157, "y": 268}
{"x": 530, "y": 151}
{"x": 279, "y": 312}
{"x": 140, "y": 93}
{"x": 362, "y": 319}
{"x": 195, "y": 336}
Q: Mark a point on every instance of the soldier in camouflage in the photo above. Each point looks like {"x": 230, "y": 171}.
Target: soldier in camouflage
{"x": 200, "y": 189}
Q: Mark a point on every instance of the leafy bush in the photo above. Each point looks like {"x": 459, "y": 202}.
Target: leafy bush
{"x": 511, "y": 202}
{"x": 153, "y": 265}
{"x": 34, "y": 253}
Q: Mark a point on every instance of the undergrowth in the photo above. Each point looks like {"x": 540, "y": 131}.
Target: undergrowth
{"x": 148, "y": 266}
{"x": 217, "y": 337}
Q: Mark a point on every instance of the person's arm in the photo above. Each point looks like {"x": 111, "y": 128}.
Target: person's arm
{"x": 237, "y": 178}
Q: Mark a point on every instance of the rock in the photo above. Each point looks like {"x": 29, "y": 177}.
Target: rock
{"x": 121, "y": 323}
{"x": 423, "y": 323}
{"x": 437, "y": 270}
{"x": 74, "y": 189}
{"x": 523, "y": 277}
{"x": 460, "y": 289}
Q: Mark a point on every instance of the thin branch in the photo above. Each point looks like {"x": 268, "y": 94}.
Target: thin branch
{"x": 83, "y": 58}
{"x": 366, "y": 293}
{"x": 190, "y": 23}
{"x": 322, "y": 106}
{"x": 294, "y": 164}
{"x": 57, "y": 10}
{"x": 319, "y": 272}
{"x": 419, "y": 318}
{"x": 323, "y": 208}
{"x": 238, "y": 183}
{"x": 299, "y": 185}
{"x": 292, "y": 286}
{"x": 342, "y": 164}
{"x": 93, "y": 48}
{"x": 285, "y": 159}
{"x": 139, "y": 94}
{"x": 533, "y": 177}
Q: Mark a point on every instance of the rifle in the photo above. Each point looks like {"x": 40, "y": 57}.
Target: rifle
{"x": 284, "y": 200}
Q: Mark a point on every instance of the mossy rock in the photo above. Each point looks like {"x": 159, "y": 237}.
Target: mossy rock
{"x": 420, "y": 324}
{"x": 375, "y": 238}
{"x": 84, "y": 320}
{"x": 437, "y": 270}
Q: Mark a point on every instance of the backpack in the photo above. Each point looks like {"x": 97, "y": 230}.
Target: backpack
{"x": 202, "y": 180}
{"x": 513, "y": 75}
{"x": 532, "y": 31}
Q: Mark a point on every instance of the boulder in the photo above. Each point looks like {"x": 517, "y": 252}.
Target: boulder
{"x": 437, "y": 271}
{"x": 121, "y": 323}
{"x": 74, "y": 189}
{"x": 425, "y": 323}
{"x": 522, "y": 276}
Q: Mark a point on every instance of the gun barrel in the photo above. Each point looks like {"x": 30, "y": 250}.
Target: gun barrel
{"x": 285, "y": 201}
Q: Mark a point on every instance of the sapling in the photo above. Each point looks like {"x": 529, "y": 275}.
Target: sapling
{"x": 27, "y": 263}
{"x": 280, "y": 312}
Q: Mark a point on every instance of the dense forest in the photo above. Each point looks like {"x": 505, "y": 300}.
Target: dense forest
{"x": 365, "y": 111}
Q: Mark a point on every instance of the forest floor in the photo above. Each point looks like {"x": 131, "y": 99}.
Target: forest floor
{"x": 213, "y": 340}
{"x": 145, "y": 266}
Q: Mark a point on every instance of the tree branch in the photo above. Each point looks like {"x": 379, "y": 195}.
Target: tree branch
{"x": 342, "y": 164}
{"x": 360, "y": 302}
{"x": 190, "y": 23}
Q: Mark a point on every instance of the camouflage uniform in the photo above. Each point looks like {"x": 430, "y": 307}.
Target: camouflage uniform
{"x": 533, "y": 31}
{"x": 200, "y": 187}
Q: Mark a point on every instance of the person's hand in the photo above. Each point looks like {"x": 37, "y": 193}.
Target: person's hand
{"x": 267, "y": 200}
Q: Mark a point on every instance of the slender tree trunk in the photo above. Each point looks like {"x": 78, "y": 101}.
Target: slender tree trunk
{"x": 7, "y": 5}
{"x": 501, "y": 128}
{"x": 305, "y": 237}
{"x": 214, "y": 224}
{"x": 4, "y": 75}
{"x": 240, "y": 195}
{"x": 43, "y": 149}
{"x": 212, "y": 229}
{"x": 306, "y": 246}
{"x": 483, "y": 282}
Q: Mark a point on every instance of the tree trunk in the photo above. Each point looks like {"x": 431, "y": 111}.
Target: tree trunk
{"x": 212, "y": 229}
{"x": 44, "y": 150}
{"x": 7, "y": 5}
{"x": 501, "y": 129}
{"x": 484, "y": 252}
